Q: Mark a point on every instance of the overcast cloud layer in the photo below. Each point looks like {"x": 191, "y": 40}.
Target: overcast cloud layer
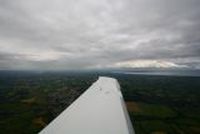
{"x": 82, "y": 34}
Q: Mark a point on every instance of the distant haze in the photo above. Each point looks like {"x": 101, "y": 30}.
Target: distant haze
{"x": 99, "y": 34}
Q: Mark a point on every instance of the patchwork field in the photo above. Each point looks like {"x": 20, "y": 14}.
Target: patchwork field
{"x": 156, "y": 104}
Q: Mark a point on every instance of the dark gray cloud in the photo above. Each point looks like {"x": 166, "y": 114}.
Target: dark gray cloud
{"x": 82, "y": 34}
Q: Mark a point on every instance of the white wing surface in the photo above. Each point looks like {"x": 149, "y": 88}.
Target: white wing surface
{"x": 99, "y": 110}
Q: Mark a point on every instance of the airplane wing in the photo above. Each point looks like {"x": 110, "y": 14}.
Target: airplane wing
{"x": 99, "y": 110}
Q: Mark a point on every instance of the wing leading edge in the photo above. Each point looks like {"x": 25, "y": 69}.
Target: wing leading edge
{"x": 99, "y": 110}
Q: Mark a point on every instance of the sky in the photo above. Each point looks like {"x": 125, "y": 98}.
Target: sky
{"x": 99, "y": 34}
